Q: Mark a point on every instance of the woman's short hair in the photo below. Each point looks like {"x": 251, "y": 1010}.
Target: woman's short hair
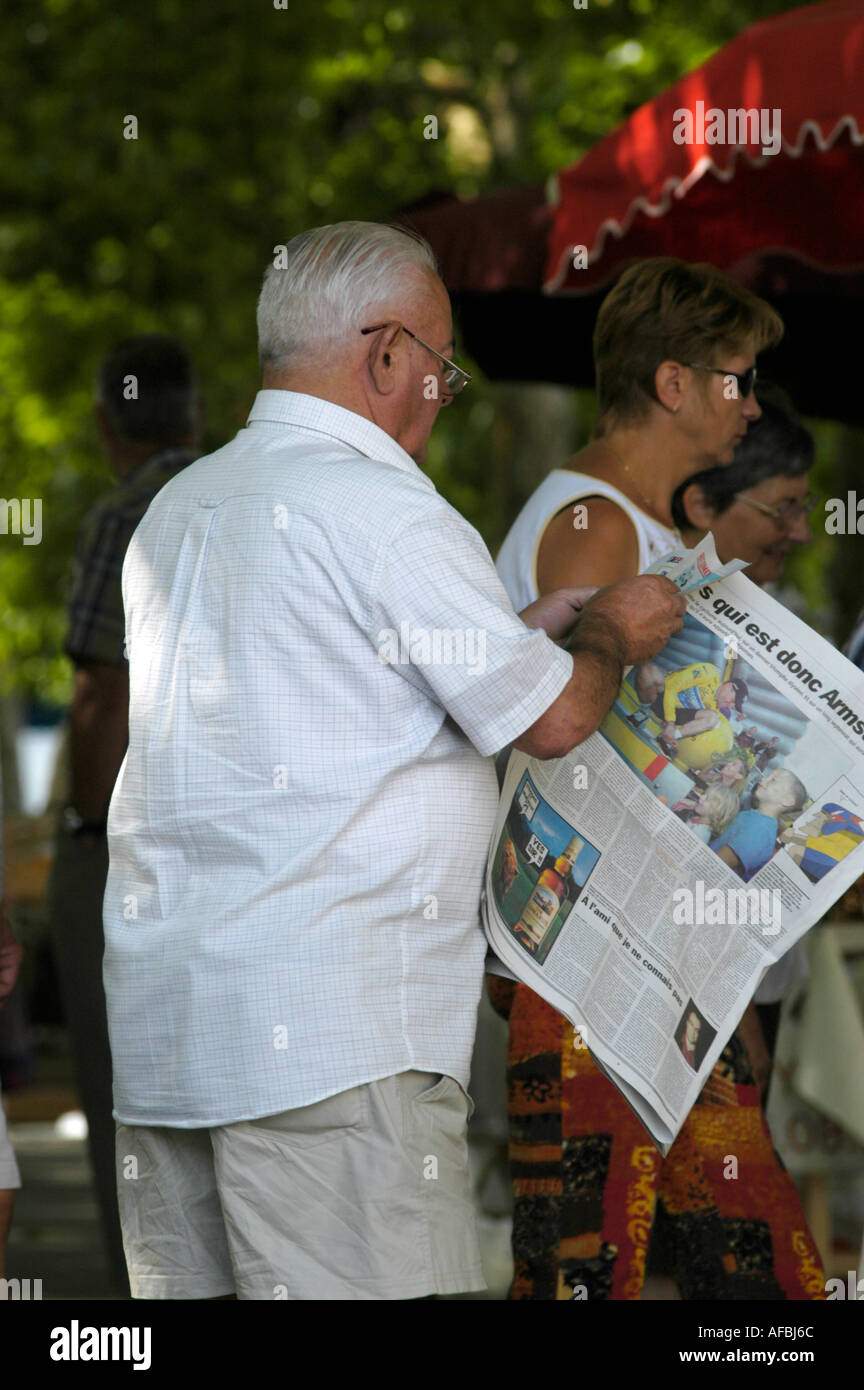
{"x": 666, "y": 310}
{"x": 776, "y": 445}
{"x": 721, "y": 805}
{"x": 320, "y": 283}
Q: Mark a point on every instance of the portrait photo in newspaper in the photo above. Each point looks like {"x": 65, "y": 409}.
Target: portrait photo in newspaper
{"x": 693, "y": 1036}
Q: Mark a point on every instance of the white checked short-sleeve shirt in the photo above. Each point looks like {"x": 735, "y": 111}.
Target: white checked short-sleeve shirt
{"x": 299, "y": 829}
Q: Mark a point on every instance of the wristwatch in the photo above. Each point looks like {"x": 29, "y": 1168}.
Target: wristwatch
{"x": 75, "y": 824}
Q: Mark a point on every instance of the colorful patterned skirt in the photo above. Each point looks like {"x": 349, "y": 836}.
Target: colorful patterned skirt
{"x": 591, "y": 1190}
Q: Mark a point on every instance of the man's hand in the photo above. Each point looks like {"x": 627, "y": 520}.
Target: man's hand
{"x": 10, "y": 957}
{"x": 557, "y": 611}
{"x": 641, "y": 613}
{"x": 728, "y": 855}
{"x": 750, "y": 1033}
{"x": 621, "y": 624}
{"x": 792, "y": 837}
{"x": 98, "y": 734}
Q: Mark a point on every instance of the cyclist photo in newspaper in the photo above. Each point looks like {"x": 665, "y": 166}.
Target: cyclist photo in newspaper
{"x": 686, "y": 746}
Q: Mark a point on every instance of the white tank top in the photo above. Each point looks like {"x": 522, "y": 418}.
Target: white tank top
{"x": 517, "y": 558}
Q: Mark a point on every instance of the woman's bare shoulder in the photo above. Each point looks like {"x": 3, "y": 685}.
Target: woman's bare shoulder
{"x": 591, "y": 542}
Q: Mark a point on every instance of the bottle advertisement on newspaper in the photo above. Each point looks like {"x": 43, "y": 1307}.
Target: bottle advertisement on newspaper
{"x": 644, "y": 884}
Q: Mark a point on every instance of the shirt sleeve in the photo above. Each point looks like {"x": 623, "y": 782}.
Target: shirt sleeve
{"x": 441, "y": 615}
{"x": 752, "y": 841}
{"x": 97, "y": 625}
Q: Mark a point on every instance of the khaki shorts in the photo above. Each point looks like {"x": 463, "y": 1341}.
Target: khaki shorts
{"x": 364, "y": 1195}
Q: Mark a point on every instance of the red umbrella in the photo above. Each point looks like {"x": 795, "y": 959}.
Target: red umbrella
{"x": 790, "y": 224}
{"x": 644, "y": 191}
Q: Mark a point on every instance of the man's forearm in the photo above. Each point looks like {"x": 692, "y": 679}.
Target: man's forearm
{"x": 627, "y": 623}
{"x": 600, "y": 635}
{"x": 10, "y": 955}
{"x": 599, "y": 656}
{"x": 98, "y": 735}
{"x": 597, "y": 648}
{"x": 750, "y": 1033}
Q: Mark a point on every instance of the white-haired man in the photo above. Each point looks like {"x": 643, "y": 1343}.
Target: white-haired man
{"x": 298, "y": 834}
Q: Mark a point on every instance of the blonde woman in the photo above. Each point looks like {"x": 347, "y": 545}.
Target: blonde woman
{"x": 709, "y": 813}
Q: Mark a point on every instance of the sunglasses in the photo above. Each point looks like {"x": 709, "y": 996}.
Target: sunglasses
{"x": 745, "y": 381}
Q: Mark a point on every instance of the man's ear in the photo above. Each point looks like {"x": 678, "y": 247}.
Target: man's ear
{"x": 700, "y": 514}
{"x": 383, "y": 358}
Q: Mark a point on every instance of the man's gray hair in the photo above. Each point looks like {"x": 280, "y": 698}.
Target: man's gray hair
{"x": 321, "y": 283}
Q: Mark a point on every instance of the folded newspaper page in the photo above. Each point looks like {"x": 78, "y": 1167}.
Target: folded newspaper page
{"x": 645, "y": 883}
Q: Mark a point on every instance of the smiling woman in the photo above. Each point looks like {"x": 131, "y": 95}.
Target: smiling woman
{"x": 757, "y": 506}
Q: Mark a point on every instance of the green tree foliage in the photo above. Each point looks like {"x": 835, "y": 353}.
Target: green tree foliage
{"x": 256, "y": 119}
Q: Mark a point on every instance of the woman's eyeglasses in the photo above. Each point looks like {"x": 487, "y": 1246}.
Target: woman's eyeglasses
{"x": 785, "y": 514}
{"x": 745, "y": 381}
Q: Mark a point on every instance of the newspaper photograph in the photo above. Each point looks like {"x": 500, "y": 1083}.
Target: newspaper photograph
{"x": 644, "y": 884}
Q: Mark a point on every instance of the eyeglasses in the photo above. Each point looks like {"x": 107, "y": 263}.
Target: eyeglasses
{"x": 454, "y": 378}
{"x": 785, "y": 514}
{"x": 745, "y": 381}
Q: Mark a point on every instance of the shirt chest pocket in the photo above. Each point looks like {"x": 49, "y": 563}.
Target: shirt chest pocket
{"x": 208, "y": 677}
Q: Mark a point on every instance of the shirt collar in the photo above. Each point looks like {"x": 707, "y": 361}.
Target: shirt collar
{"x": 323, "y": 417}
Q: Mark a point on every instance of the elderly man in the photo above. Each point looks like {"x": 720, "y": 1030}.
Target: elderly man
{"x": 298, "y": 833}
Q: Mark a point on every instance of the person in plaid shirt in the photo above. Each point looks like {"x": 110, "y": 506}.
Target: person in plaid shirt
{"x": 147, "y": 416}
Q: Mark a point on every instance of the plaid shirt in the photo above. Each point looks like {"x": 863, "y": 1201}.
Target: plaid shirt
{"x": 97, "y": 626}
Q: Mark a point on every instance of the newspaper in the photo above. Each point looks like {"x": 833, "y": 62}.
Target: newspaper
{"x": 644, "y": 884}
